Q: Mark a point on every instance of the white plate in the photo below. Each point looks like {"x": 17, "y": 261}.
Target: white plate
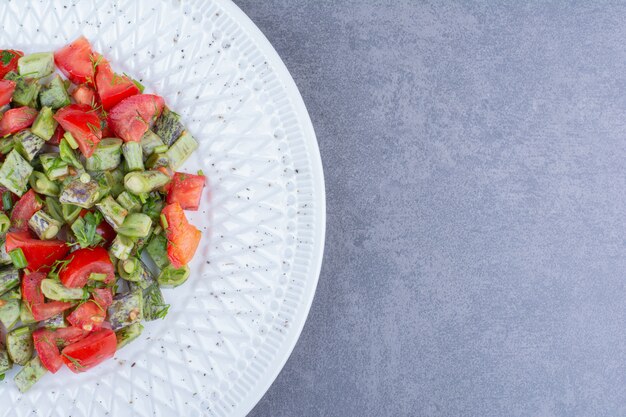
{"x": 233, "y": 325}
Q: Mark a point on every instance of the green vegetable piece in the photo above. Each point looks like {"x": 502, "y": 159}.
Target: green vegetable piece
{"x": 5, "y": 259}
{"x": 154, "y": 306}
{"x": 121, "y": 247}
{"x": 133, "y": 155}
{"x": 157, "y": 160}
{"x": 157, "y": 250}
{"x": 18, "y": 258}
{"x": 5, "y": 223}
{"x": 44, "y": 125}
{"x": 9, "y": 279}
{"x": 142, "y": 182}
{"x": 53, "y": 207}
{"x": 6, "y": 145}
{"x": 30, "y": 374}
{"x": 28, "y": 144}
{"x": 128, "y": 334}
{"x": 70, "y": 140}
{"x": 43, "y": 185}
{"x": 79, "y": 193}
{"x": 54, "y": 290}
{"x": 131, "y": 203}
{"x": 54, "y": 322}
{"x": 53, "y": 166}
{"x": 181, "y": 150}
{"x": 144, "y": 280}
{"x": 126, "y": 309}
{"x": 54, "y": 95}
{"x": 171, "y": 277}
{"x": 14, "y": 173}
{"x": 36, "y": 65}
{"x": 67, "y": 154}
{"x": 84, "y": 229}
{"x": 113, "y": 212}
{"x": 168, "y": 127}
{"x": 26, "y": 90}
{"x": 70, "y": 212}
{"x": 5, "y": 361}
{"x": 115, "y": 179}
{"x": 9, "y": 313}
{"x": 45, "y": 226}
{"x": 150, "y": 141}
{"x": 106, "y": 156}
{"x": 20, "y": 345}
{"x": 26, "y": 316}
{"x": 129, "y": 269}
{"x": 136, "y": 225}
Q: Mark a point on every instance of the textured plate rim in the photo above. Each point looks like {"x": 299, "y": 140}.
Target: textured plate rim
{"x": 292, "y": 91}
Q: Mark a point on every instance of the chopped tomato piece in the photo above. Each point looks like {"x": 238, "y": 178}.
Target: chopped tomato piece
{"x": 82, "y": 263}
{"x": 84, "y": 94}
{"x": 67, "y": 335}
{"x": 113, "y": 88}
{"x": 7, "y": 87}
{"x": 182, "y": 237}
{"x": 40, "y": 254}
{"x": 88, "y": 316}
{"x": 103, "y": 297}
{"x": 24, "y": 209}
{"x": 56, "y": 137}
{"x": 47, "y": 349}
{"x": 133, "y": 116}
{"x": 186, "y": 189}
{"x": 8, "y": 61}
{"x": 84, "y": 125}
{"x": 34, "y": 299}
{"x": 17, "y": 119}
{"x": 89, "y": 352}
{"x": 76, "y": 61}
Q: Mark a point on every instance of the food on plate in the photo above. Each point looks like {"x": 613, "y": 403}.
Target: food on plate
{"x": 92, "y": 219}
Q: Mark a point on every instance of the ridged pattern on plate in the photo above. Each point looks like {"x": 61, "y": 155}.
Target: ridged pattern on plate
{"x": 234, "y": 323}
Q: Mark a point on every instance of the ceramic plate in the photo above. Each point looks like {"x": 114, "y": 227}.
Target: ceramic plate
{"x": 233, "y": 325}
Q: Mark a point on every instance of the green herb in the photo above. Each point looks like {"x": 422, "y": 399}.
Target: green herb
{"x": 18, "y": 258}
{"x": 85, "y": 229}
{"x": 6, "y": 57}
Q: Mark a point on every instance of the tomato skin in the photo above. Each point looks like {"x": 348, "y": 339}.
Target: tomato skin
{"x": 23, "y": 210}
{"x": 17, "y": 119}
{"x": 47, "y": 349}
{"x": 56, "y": 137}
{"x": 7, "y": 88}
{"x": 67, "y": 335}
{"x": 84, "y": 94}
{"x": 88, "y": 316}
{"x": 186, "y": 189}
{"x": 11, "y": 65}
{"x": 40, "y": 254}
{"x": 182, "y": 238}
{"x": 134, "y": 115}
{"x": 103, "y": 297}
{"x": 33, "y": 297}
{"x": 76, "y": 61}
{"x": 113, "y": 88}
{"x": 91, "y": 351}
{"x": 82, "y": 263}
{"x": 84, "y": 125}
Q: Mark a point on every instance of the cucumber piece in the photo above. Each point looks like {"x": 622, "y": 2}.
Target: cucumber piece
{"x": 20, "y": 345}
{"x": 5, "y": 259}
{"x": 171, "y": 277}
{"x": 54, "y": 290}
{"x": 106, "y": 156}
{"x": 126, "y": 309}
{"x": 182, "y": 149}
{"x": 9, "y": 279}
{"x": 115, "y": 179}
{"x": 9, "y": 313}
{"x": 53, "y": 207}
{"x": 43, "y": 185}
{"x": 168, "y": 127}
{"x": 5, "y": 361}
{"x": 36, "y": 65}
{"x": 67, "y": 154}
{"x": 53, "y": 166}
{"x": 26, "y": 91}
{"x": 112, "y": 212}
{"x": 30, "y": 374}
{"x": 131, "y": 203}
{"x": 44, "y": 225}
{"x": 14, "y": 173}
{"x": 135, "y": 225}
{"x": 70, "y": 212}
{"x": 28, "y": 144}
{"x": 121, "y": 247}
{"x": 26, "y": 316}
{"x": 54, "y": 95}
{"x": 6, "y": 145}
{"x": 133, "y": 156}
{"x": 128, "y": 334}
{"x": 5, "y": 223}
{"x": 157, "y": 250}
{"x": 157, "y": 160}
{"x": 150, "y": 141}
{"x": 144, "y": 280}
{"x": 154, "y": 306}
{"x": 143, "y": 182}
{"x": 44, "y": 125}
{"x": 79, "y": 193}
{"x": 54, "y": 322}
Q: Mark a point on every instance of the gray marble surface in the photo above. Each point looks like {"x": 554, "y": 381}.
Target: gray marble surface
{"x": 475, "y": 162}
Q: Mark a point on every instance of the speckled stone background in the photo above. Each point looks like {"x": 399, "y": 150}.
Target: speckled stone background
{"x": 475, "y": 162}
